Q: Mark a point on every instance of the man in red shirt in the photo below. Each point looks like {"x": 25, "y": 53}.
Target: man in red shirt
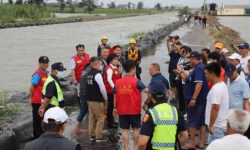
{"x": 128, "y": 103}
{"x": 38, "y": 79}
{"x": 215, "y": 57}
{"x": 78, "y": 63}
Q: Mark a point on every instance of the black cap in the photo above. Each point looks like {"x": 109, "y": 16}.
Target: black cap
{"x": 58, "y": 66}
{"x": 43, "y": 59}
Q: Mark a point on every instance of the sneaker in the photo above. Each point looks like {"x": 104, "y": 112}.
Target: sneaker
{"x": 92, "y": 138}
{"x": 103, "y": 139}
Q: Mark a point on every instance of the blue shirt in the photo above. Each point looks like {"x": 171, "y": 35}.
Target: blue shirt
{"x": 238, "y": 91}
{"x": 35, "y": 79}
{"x": 198, "y": 76}
{"x": 174, "y": 57}
{"x": 159, "y": 76}
{"x": 139, "y": 85}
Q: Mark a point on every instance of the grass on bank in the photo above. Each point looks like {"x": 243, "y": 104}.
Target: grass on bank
{"x": 137, "y": 34}
{"x": 12, "y": 12}
{"x": 107, "y": 11}
{"x": 11, "y": 109}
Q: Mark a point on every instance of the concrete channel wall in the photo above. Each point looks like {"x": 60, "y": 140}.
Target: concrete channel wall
{"x": 21, "y": 127}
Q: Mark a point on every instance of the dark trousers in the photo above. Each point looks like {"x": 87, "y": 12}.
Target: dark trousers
{"x": 181, "y": 99}
{"x": 83, "y": 109}
{"x": 110, "y": 118}
{"x": 204, "y": 25}
{"x": 37, "y": 121}
{"x": 138, "y": 72}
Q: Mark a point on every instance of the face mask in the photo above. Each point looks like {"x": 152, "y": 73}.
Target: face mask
{"x": 100, "y": 68}
{"x": 60, "y": 74}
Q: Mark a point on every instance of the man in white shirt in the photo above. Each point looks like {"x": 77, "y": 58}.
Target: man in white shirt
{"x": 238, "y": 122}
{"x": 243, "y": 49}
{"x": 217, "y": 103}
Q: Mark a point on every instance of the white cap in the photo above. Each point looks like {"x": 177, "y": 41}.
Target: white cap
{"x": 224, "y": 51}
{"x": 235, "y": 56}
{"x": 55, "y": 113}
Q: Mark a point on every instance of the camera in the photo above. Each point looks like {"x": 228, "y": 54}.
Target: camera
{"x": 186, "y": 66}
{"x": 170, "y": 37}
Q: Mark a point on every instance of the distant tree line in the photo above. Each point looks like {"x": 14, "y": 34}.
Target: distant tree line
{"x": 89, "y": 5}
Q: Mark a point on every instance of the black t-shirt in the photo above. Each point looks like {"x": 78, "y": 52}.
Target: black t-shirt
{"x": 174, "y": 58}
{"x": 147, "y": 127}
{"x": 51, "y": 91}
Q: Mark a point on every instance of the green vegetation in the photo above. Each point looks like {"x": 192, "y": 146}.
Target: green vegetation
{"x": 137, "y": 34}
{"x": 183, "y": 11}
{"x": 12, "y": 108}
{"x": 12, "y": 12}
{"x": 106, "y": 11}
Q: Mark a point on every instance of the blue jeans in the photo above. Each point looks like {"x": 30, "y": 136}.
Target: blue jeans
{"x": 219, "y": 133}
{"x": 83, "y": 109}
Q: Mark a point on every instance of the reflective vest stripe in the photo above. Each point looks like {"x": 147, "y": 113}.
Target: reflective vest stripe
{"x": 163, "y": 145}
{"x": 165, "y": 122}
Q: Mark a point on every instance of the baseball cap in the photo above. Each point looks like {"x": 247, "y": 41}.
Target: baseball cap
{"x": 229, "y": 69}
{"x": 224, "y": 51}
{"x": 55, "y": 113}
{"x": 243, "y": 45}
{"x": 157, "y": 87}
{"x": 58, "y": 66}
{"x": 194, "y": 54}
{"x": 235, "y": 56}
{"x": 43, "y": 59}
{"x": 218, "y": 45}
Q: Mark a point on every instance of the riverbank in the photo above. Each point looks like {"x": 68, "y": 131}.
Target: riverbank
{"x": 25, "y": 14}
{"x": 229, "y": 37}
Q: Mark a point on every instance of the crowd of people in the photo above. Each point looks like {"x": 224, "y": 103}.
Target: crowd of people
{"x": 211, "y": 90}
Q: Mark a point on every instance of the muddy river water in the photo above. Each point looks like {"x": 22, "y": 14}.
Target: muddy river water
{"x": 20, "y": 48}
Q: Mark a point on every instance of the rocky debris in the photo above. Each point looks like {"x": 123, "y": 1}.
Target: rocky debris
{"x": 69, "y": 91}
{"x": 149, "y": 41}
{"x": 39, "y": 23}
{"x": 20, "y": 97}
{"x": 8, "y": 139}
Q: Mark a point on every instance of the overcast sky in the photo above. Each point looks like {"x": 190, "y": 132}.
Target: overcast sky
{"x": 151, "y": 3}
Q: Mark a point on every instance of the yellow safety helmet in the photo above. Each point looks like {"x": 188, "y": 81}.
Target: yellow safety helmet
{"x": 104, "y": 38}
{"x": 132, "y": 42}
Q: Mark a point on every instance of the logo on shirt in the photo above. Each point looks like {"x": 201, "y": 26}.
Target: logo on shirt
{"x": 116, "y": 72}
{"x": 79, "y": 61}
{"x": 124, "y": 89}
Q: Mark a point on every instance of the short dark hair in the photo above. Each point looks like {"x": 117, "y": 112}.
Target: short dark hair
{"x": 156, "y": 66}
{"x": 214, "y": 68}
{"x": 111, "y": 57}
{"x": 206, "y": 50}
{"x": 129, "y": 65}
{"x": 94, "y": 59}
{"x": 117, "y": 46}
{"x": 104, "y": 48}
{"x": 214, "y": 55}
{"x": 176, "y": 37}
{"x": 79, "y": 46}
{"x": 52, "y": 126}
{"x": 187, "y": 49}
